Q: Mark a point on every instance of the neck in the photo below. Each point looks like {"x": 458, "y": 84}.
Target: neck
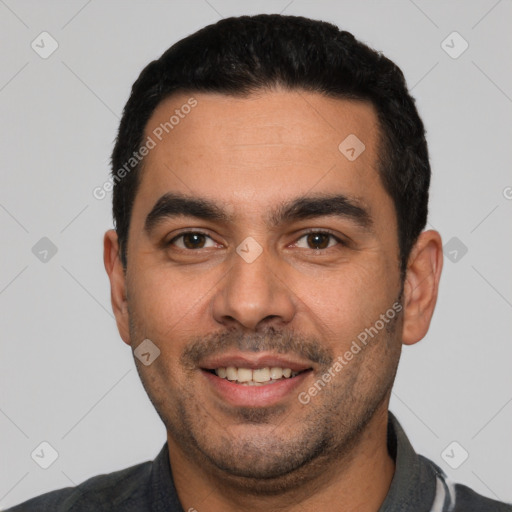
{"x": 358, "y": 480}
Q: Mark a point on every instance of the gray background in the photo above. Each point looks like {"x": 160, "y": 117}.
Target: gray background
{"x": 66, "y": 376}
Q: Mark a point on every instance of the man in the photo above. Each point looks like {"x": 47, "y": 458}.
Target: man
{"x": 271, "y": 184}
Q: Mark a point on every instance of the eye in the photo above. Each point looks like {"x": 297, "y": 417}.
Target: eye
{"x": 318, "y": 240}
{"x": 192, "y": 240}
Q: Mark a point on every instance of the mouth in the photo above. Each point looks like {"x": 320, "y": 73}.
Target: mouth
{"x": 255, "y": 377}
{"x": 254, "y": 380}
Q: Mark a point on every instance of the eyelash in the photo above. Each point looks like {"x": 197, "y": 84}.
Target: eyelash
{"x": 308, "y": 232}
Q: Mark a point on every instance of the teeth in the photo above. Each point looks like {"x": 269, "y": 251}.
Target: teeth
{"x": 244, "y": 375}
{"x": 260, "y": 375}
{"x": 255, "y": 377}
{"x": 275, "y": 373}
{"x": 231, "y": 373}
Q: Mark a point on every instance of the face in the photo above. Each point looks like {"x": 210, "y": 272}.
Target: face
{"x": 257, "y": 249}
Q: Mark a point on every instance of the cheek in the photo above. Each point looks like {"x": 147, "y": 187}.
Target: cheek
{"x": 345, "y": 302}
{"x": 166, "y": 304}
{"x": 154, "y": 302}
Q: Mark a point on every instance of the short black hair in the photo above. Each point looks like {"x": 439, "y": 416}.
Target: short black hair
{"x": 241, "y": 55}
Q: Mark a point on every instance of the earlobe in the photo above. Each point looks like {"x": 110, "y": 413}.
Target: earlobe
{"x": 421, "y": 286}
{"x": 117, "y": 277}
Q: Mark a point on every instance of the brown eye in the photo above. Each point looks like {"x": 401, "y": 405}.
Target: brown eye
{"x": 318, "y": 240}
{"x": 192, "y": 240}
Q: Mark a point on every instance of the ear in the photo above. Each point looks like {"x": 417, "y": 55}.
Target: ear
{"x": 117, "y": 276}
{"x": 421, "y": 285}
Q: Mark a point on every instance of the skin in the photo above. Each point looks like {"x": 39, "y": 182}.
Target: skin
{"x": 250, "y": 155}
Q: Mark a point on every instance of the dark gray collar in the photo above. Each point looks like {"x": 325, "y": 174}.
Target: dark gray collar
{"x": 162, "y": 493}
{"x": 414, "y": 483}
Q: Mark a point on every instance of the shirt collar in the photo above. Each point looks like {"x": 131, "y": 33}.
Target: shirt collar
{"x": 162, "y": 493}
{"x": 414, "y": 482}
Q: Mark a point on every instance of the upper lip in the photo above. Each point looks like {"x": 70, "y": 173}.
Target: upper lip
{"x": 254, "y": 361}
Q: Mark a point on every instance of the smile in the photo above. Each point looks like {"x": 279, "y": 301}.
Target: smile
{"x": 255, "y": 377}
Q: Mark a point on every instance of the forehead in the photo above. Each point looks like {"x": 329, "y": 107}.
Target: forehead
{"x": 266, "y": 147}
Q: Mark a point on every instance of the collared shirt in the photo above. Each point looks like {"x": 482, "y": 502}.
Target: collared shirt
{"x": 418, "y": 485}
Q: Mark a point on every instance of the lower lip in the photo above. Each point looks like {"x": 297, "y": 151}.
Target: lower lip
{"x": 240, "y": 395}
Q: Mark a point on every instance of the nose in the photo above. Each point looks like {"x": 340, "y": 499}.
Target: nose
{"x": 254, "y": 295}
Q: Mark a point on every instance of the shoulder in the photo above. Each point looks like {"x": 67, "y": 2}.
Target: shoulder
{"x": 104, "y": 492}
{"x": 455, "y": 497}
{"x": 468, "y": 500}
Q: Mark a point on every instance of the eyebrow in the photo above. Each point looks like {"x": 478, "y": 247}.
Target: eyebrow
{"x": 175, "y": 205}
{"x": 172, "y": 205}
{"x": 338, "y": 205}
